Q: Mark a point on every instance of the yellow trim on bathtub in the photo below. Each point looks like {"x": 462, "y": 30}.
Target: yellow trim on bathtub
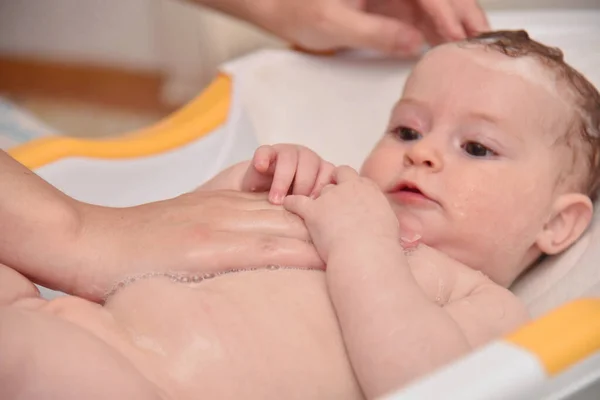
{"x": 198, "y": 118}
{"x": 563, "y": 337}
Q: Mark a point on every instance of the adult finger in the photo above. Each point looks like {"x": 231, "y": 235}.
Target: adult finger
{"x": 431, "y": 34}
{"x": 244, "y": 251}
{"x": 247, "y": 213}
{"x": 220, "y": 251}
{"x": 356, "y": 28}
{"x": 444, "y": 18}
{"x": 221, "y": 198}
{"x": 473, "y": 17}
{"x": 281, "y": 223}
{"x": 344, "y": 173}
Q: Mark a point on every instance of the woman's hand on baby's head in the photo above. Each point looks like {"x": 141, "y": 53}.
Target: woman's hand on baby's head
{"x": 346, "y": 212}
{"x": 283, "y": 169}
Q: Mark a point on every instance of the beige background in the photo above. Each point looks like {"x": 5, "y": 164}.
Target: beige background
{"x": 184, "y": 42}
{"x": 180, "y": 39}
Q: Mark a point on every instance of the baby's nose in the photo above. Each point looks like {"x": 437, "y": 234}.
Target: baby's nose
{"x": 423, "y": 153}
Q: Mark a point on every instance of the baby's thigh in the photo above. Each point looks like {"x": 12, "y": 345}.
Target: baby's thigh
{"x": 46, "y": 357}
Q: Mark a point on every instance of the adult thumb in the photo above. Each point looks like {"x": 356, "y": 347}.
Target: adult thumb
{"x": 359, "y": 29}
{"x": 298, "y": 204}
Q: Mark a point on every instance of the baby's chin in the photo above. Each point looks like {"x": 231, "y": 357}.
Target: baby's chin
{"x": 414, "y": 231}
{"x": 410, "y": 225}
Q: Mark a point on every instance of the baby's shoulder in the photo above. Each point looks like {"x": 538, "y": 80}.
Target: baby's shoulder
{"x": 482, "y": 308}
{"x": 443, "y": 276}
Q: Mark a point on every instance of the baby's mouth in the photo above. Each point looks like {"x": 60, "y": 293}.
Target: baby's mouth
{"x": 407, "y": 192}
{"x": 410, "y": 189}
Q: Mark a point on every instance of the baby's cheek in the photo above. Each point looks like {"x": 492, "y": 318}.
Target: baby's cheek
{"x": 509, "y": 210}
{"x": 382, "y": 165}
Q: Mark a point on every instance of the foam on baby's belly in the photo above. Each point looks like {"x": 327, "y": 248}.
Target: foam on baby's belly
{"x": 261, "y": 334}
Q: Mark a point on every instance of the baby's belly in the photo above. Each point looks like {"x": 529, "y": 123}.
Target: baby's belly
{"x": 259, "y": 334}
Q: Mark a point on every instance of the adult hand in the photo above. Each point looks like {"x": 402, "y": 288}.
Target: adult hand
{"x": 201, "y": 231}
{"x": 390, "y": 26}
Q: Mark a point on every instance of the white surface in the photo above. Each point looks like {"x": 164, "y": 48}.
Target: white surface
{"x": 499, "y": 371}
{"x": 127, "y": 182}
{"x": 557, "y": 280}
{"x": 583, "y": 379}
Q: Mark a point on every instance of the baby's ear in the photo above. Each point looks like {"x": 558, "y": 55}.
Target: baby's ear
{"x": 571, "y": 215}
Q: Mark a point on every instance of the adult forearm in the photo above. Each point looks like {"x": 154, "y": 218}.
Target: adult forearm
{"x": 247, "y": 10}
{"x": 37, "y": 220}
{"x": 393, "y": 332}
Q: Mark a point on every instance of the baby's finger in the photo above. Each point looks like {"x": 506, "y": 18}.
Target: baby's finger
{"x": 264, "y": 159}
{"x": 327, "y": 188}
{"x": 324, "y": 178}
{"x": 299, "y": 205}
{"x": 344, "y": 173}
{"x": 307, "y": 172}
{"x": 285, "y": 170}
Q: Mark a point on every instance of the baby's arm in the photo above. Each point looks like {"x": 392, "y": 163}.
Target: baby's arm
{"x": 392, "y": 330}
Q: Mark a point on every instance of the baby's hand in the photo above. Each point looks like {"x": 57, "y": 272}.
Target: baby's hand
{"x": 286, "y": 168}
{"x": 347, "y": 213}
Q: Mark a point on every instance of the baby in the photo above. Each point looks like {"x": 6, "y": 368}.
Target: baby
{"x": 490, "y": 161}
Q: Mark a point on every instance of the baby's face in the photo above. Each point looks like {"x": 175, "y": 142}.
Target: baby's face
{"x": 476, "y": 135}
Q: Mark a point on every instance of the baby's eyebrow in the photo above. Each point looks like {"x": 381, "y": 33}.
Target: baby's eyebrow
{"x": 411, "y": 101}
{"x": 485, "y": 117}
{"x": 500, "y": 123}
{"x": 480, "y": 115}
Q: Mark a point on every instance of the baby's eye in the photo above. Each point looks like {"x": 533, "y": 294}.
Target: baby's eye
{"x": 478, "y": 150}
{"x": 406, "y": 134}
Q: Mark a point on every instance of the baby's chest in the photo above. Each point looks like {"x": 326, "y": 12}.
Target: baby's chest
{"x": 441, "y": 278}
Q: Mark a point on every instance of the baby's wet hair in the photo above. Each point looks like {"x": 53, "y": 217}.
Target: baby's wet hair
{"x": 586, "y": 99}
